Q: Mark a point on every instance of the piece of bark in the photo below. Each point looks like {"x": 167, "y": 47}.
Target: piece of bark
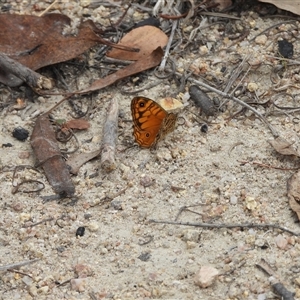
{"x": 110, "y": 131}
{"x": 283, "y": 147}
{"x": 76, "y": 160}
{"x": 48, "y": 155}
{"x": 13, "y": 73}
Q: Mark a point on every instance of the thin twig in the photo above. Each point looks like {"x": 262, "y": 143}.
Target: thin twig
{"x": 18, "y": 265}
{"x": 48, "y": 8}
{"x": 110, "y": 198}
{"x": 38, "y": 223}
{"x": 19, "y": 272}
{"x": 166, "y": 55}
{"x": 267, "y": 166}
{"x": 229, "y": 226}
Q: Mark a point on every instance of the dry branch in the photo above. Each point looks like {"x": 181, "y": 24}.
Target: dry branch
{"x": 13, "y": 73}
{"x": 49, "y": 156}
{"x": 229, "y": 226}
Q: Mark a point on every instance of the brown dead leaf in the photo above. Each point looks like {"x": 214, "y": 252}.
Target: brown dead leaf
{"x": 293, "y": 192}
{"x": 39, "y": 41}
{"x": 136, "y": 67}
{"x": 283, "y": 147}
{"x": 146, "y": 38}
{"x": 79, "y": 124}
{"x": 292, "y": 6}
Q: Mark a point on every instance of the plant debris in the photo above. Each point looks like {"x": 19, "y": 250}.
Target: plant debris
{"x": 49, "y": 157}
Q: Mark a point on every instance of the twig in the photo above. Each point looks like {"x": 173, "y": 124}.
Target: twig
{"x": 48, "y": 8}
{"x": 38, "y": 223}
{"x": 108, "y": 147}
{"x": 18, "y": 265}
{"x": 212, "y": 89}
{"x": 278, "y": 287}
{"x": 219, "y": 15}
{"x": 19, "y": 272}
{"x": 266, "y": 166}
{"x": 11, "y": 69}
{"x": 109, "y": 198}
{"x": 230, "y": 226}
{"x": 165, "y": 58}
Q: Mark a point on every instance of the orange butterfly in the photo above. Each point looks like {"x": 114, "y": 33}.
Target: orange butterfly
{"x": 151, "y": 122}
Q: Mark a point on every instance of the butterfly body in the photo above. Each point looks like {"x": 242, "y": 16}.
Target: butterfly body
{"x": 150, "y": 121}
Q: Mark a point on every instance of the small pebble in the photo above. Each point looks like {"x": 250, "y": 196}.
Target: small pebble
{"x": 78, "y": 284}
{"x": 250, "y": 202}
{"x": 116, "y": 204}
{"x": 233, "y": 199}
{"x": 146, "y": 180}
{"x": 93, "y": 226}
{"x": 203, "y": 50}
{"x": 43, "y": 290}
{"x": 83, "y": 271}
{"x": 252, "y": 87}
{"x": 281, "y": 242}
{"x": 191, "y": 235}
{"x": 261, "y": 39}
{"x": 206, "y": 276}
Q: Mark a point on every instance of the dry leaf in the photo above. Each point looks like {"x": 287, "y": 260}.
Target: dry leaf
{"x": 293, "y": 192}
{"x": 146, "y": 38}
{"x": 283, "y": 147}
{"x": 292, "y": 6}
{"x": 36, "y": 42}
{"x": 149, "y": 40}
{"x": 136, "y": 67}
{"x": 79, "y": 124}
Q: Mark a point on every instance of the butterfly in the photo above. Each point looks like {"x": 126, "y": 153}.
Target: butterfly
{"x": 151, "y": 122}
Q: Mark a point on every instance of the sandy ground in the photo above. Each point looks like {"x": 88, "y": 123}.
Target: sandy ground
{"x": 123, "y": 255}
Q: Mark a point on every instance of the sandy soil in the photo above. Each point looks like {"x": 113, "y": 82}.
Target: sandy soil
{"x": 123, "y": 255}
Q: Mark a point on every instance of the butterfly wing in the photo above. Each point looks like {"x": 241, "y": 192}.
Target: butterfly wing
{"x": 148, "y": 117}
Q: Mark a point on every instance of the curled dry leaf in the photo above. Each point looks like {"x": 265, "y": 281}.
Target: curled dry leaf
{"x": 293, "y": 192}
{"x": 283, "y": 147}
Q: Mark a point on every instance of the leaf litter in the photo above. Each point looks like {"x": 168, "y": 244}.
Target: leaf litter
{"x": 188, "y": 159}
